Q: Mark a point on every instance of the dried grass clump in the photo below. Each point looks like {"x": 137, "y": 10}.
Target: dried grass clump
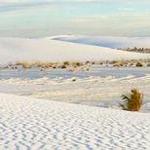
{"x": 118, "y": 63}
{"x": 43, "y": 65}
{"x": 76, "y": 64}
{"x": 87, "y": 62}
{"x": 113, "y": 62}
{"x": 63, "y": 66}
{"x": 139, "y": 64}
{"x": 133, "y": 101}
{"x": 66, "y": 63}
{"x": 24, "y": 64}
{"x": 39, "y": 64}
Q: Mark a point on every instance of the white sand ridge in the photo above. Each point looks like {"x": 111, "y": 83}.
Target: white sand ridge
{"x": 21, "y": 49}
{"x": 27, "y": 123}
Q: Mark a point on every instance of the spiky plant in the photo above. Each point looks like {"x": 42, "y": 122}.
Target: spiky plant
{"x": 133, "y": 101}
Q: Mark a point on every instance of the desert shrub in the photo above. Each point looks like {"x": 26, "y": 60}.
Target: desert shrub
{"x": 131, "y": 64}
{"x": 93, "y": 62}
{"x": 78, "y": 64}
{"x": 66, "y": 63}
{"x": 54, "y": 67}
{"x": 101, "y": 63}
{"x": 139, "y": 64}
{"x": 63, "y": 67}
{"x": 87, "y": 62}
{"x": 113, "y": 62}
{"x": 133, "y": 101}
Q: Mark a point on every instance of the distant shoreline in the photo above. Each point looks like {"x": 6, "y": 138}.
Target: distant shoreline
{"x": 138, "y": 50}
{"x": 76, "y": 65}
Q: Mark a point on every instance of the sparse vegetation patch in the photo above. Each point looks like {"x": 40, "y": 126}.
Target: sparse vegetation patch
{"x": 133, "y": 101}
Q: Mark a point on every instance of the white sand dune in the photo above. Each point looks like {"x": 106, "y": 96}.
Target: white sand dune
{"x": 107, "y": 41}
{"x": 96, "y": 91}
{"x": 30, "y": 123}
{"x": 27, "y": 123}
{"x": 15, "y": 49}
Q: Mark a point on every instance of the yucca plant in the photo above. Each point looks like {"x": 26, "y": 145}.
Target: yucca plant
{"x": 133, "y": 101}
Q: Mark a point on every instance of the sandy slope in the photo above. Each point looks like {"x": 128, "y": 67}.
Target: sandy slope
{"x": 107, "y": 41}
{"x": 27, "y": 123}
{"x": 93, "y": 90}
{"x": 13, "y": 49}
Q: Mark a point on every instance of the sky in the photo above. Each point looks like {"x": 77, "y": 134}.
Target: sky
{"x": 42, "y": 18}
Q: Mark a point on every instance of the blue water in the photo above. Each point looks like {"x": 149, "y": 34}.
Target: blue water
{"x": 59, "y": 73}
